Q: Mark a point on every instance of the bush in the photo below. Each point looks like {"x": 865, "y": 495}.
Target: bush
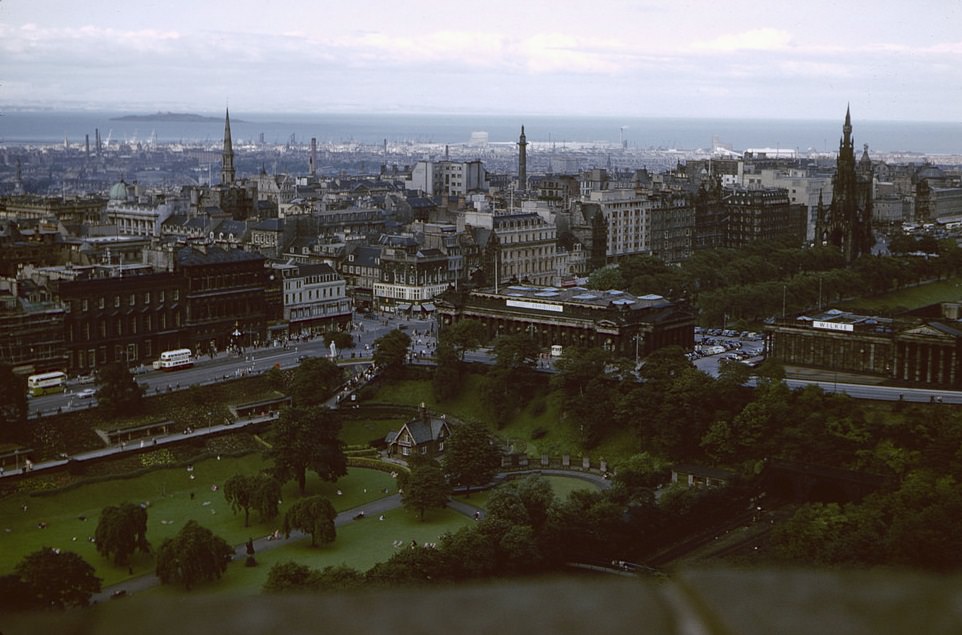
{"x": 539, "y": 433}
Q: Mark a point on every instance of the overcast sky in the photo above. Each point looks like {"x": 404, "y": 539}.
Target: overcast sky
{"x": 892, "y": 60}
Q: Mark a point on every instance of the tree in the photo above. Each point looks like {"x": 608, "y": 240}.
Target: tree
{"x": 471, "y": 455}
{"x": 120, "y": 531}
{"x": 306, "y": 439}
{"x": 258, "y": 491}
{"x": 118, "y": 392}
{"x": 608, "y": 277}
{"x": 13, "y": 406}
{"x": 391, "y": 352}
{"x": 194, "y": 555}
{"x": 585, "y": 390}
{"x": 448, "y": 373}
{"x": 291, "y": 576}
{"x": 315, "y": 379}
{"x": 57, "y": 579}
{"x": 641, "y": 471}
{"x": 463, "y": 336}
{"x": 510, "y": 382}
{"x": 313, "y": 515}
{"x": 425, "y": 488}
{"x": 341, "y": 339}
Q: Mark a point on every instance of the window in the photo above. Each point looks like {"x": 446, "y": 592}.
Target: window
{"x": 147, "y": 297}
{"x": 83, "y": 304}
{"x": 100, "y": 302}
{"x": 132, "y": 300}
{"x": 116, "y": 301}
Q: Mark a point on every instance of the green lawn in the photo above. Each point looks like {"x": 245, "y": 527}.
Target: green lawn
{"x": 911, "y": 297}
{"x": 362, "y": 432}
{"x": 544, "y": 412}
{"x": 360, "y": 545}
{"x": 168, "y": 493}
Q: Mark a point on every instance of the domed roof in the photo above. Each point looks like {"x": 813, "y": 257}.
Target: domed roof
{"x": 118, "y": 191}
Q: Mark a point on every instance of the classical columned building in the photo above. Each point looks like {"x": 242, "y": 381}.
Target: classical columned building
{"x": 909, "y": 351}
{"x": 631, "y": 326}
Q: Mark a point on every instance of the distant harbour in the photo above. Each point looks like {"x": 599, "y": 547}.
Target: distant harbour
{"x": 806, "y": 136}
{"x": 178, "y": 117}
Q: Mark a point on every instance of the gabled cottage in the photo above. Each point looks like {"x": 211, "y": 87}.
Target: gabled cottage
{"x": 423, "y": 435}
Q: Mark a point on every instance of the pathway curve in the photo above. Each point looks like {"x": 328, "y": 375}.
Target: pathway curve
{"x": 372, "y": 509}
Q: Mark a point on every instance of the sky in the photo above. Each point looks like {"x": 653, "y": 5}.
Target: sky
{"x": 770, "y": 59}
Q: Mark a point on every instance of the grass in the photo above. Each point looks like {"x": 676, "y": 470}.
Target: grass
{"x": 911, "y": 297}
{"x": 362, "y": 432}
{"x": 360, "y": 545}
{"x": 170, "y": 506}
{"x": 560, "y": 438}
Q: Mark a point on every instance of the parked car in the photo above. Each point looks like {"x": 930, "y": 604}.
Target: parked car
{"x": 86, "y": 393}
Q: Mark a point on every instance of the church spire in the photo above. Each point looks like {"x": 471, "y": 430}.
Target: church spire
{"x": 227, "y": 172}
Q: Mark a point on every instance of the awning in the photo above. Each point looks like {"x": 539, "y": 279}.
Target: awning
{"x": 403, "y": 307}
{"x": 427, "y": 306}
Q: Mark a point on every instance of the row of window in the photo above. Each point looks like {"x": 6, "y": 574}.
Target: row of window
{"x": 128, "y": 299}
{"x": 147, "y": 323}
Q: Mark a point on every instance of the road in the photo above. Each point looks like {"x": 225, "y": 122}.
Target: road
{"x": 225, "y": 366}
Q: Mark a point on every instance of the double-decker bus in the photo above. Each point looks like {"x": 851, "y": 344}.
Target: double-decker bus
{"x": 44, "y": 383}
{"x": 175, "y": 360}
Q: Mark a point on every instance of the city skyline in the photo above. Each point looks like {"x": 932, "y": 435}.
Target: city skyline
{"x": 641, "y": 59}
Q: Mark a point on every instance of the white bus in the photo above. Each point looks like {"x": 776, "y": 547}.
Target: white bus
{"x": 44, "y": 383}
{"x": 175, "y": 360}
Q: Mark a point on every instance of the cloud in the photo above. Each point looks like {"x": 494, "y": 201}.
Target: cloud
{"x": 764, "y": 39}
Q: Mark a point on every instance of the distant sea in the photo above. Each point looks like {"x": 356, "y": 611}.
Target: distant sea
{"x": 21, "y": 127}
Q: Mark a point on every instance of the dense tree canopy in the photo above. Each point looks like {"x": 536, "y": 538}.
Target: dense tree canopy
{"x": 391, "y": 352}
{"x": 307, "y": 439}
{"x": 121, "y": 531}
{"x": 471, "y": 455}
{"x": 259, "y": 492}
{"x": 194, "y": 555}
{"x": 118, "y": 392}
{"x": 510, "y": 382}
{"x": 425, "y": 488}
{"x": 313, "y": 515}
{"x": 314, "y": 381}
{"x": 57, "y": 579}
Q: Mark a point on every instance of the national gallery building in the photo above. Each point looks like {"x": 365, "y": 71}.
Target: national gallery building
{"x": 631, "y": 326}
{"x": 923, "y": 350}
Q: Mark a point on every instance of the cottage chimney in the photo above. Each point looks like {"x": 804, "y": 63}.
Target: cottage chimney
{"x": 423, "y": 412}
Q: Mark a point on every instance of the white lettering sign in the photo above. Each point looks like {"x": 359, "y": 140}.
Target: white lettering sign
{"x": 833, "y": 326}
{"x": 537, "y": 306}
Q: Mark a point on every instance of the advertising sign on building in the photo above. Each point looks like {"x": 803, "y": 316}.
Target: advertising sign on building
{"x": 833, "y": 326}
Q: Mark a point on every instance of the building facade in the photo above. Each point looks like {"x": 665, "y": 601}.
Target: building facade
{"x": 315, "y": 298}
{"x": 627, "y": 325}
{"x": 908, "y": 351}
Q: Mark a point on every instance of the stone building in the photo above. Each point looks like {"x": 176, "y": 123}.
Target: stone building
{"x": 909, "y": 350}
{"x": 631, "y": 326}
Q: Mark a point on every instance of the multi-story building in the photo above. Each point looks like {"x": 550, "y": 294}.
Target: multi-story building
{"x": 127, "y": 314}
{"x": 448, "y": 177}
{"x": 762, "y": 214}
{"x": 525, "y": 249}
{"x": 672, "y": 226}
{"x": 69, "y": 211}
{"x": 224, "y": 296}
{"x": 314, "y": 298}
{"x": 31, "y": 327}
{"x": 627, "y": 214}
{"x": 410, "y": 276}
{"x": 136, "y": 216}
